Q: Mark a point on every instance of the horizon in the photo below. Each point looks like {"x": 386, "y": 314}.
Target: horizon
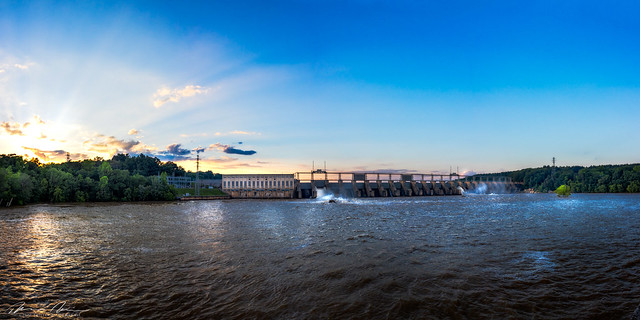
{"x": 393, "y": 172}
{"x": 258, "y": 87}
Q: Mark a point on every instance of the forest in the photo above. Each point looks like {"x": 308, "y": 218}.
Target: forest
{"x": 601, "y": 179}
{"x": 122, "y": 178}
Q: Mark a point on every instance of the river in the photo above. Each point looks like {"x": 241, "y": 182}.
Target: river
{"x": 518, "y": 256}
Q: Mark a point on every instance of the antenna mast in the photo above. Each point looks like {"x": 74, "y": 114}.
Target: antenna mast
{"x": 198, "y": 174}
{"x": 198, "y": 150}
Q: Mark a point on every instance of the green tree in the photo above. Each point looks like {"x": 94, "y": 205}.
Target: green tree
{"x": 81, "y": 196}
{"x": 104, "y": 192}
{"x": 104, "y": 169}
{"x": 22, "y": 186}
{"x": 563, "y": 191}
{"x": 59, "y": 185}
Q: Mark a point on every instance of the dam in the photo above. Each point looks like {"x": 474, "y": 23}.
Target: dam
{"x": 305, "y": 185}
{"x": 381, "y": 184}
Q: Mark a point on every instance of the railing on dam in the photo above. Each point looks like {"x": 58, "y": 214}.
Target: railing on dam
{"x": 321, "y": 175}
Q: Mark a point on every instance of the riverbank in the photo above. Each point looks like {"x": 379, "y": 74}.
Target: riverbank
{"x": 218, "y": 197}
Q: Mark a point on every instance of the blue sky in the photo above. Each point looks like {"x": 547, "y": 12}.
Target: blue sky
{"x": 363, "y": 85}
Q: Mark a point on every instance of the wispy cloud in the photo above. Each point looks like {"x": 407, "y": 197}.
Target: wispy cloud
{"x": 242, "y": 165}
{"x": 223, "y": 159}
{"x": 13, "y": 128}
{"x": 237, "y": 132}
{"x": 221, "y": 134}
{"x": 199, "y": 149}
{"x": 111, "y": 145}
{"x": 177, "y": 150}
{"x": 36, "y": 120}
{"x": 164, "y": 95}
{"x": 17, "y": 129}
{"x": 227, "y": 163}
{"x": 174, "y": 152}
{"x": 185, "y": 135}
{"x": 21, "y": 66}
{"x": 55, "y": 155}
{"x": 133, "y": 132}
{"x": 14, "y": 66}
{"x": 231, "y": 150}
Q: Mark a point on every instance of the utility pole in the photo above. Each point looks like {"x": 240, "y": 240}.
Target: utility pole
{"x": 197, "y": 186}
{"x": 198, "y": 174}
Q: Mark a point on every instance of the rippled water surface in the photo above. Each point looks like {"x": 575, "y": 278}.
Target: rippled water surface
{"x": 475, "y": 257}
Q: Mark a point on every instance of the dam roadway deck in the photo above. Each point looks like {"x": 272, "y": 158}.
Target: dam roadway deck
{"x": 381, "y": 184}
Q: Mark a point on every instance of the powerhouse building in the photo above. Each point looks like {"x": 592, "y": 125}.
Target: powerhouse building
{"x": 259, "y": 185}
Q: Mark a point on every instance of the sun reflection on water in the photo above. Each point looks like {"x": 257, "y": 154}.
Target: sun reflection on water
{"x": 42, "y": 233}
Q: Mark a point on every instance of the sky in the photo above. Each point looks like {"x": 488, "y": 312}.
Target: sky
{"x": 277, "y": 86}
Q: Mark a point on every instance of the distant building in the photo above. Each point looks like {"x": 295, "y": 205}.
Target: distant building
{"x": 190, "y": 183}
{"x": 210, "y": 183}
{"x": 180, "y": 182}
{"x": 258, "y": 185}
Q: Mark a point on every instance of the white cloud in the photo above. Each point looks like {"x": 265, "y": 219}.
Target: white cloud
{"x": 184, "y": 135}
{"x": 111, "y": 145}
{"x": 7, "y": 66}
{"x": 223, "y": 159}
{"x": 133, "y": 132}
{"x": 38, "y": 120}
{"x": 164, "y": 94}
{"x": 21, "y": 66}
{"x": 12, "y": 128}
{"x": 238, "y": 132}
{"x": 18, "y": 129}
{"x": 221, "y": 134}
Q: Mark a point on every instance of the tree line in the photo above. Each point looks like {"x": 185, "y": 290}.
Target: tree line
{"x": 601, "y": 179}
{"x": 122, "y": 178}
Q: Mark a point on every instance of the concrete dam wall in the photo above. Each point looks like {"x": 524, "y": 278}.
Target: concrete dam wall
{"x": 368, "y": 185}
